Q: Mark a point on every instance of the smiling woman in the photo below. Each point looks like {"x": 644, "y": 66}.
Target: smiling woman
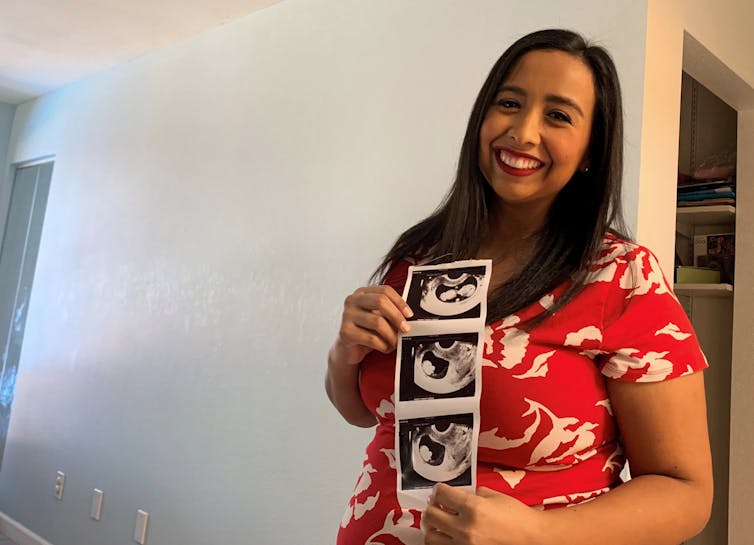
{"x": 536, "y": 133}
{"x": 589, "y": 360}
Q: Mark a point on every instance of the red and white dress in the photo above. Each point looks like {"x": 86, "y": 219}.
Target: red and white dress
{"x": 548, "y": 436}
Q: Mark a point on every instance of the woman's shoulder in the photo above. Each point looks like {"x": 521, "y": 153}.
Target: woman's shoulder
{"x": 619, "y": 249}
{"x": 616, "y": 247}
{"x": 629, "y": 264}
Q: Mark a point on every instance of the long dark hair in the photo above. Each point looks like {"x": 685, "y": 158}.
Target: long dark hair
{"x": 582, "y": 213}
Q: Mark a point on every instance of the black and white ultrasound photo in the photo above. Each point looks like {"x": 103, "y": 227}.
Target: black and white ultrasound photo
{"x": 447, "y": 293}
{"x": 436, "y": 449}
{"x": 438, "y": 366}
{"x": 438, "y": 379}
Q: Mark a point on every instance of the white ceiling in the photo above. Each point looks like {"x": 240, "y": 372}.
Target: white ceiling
{"x": 45, "y": 44}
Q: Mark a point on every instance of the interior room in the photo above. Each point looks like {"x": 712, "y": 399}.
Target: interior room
{"x": 205, "y": 198}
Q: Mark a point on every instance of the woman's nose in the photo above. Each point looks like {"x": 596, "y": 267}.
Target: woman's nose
{"x": 525, "y": 129}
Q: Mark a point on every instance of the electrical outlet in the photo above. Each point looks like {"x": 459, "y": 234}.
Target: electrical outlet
{"x": 140, "y": 532}
{"x": 59, "y": 484}
{"x": 95, "y": 511}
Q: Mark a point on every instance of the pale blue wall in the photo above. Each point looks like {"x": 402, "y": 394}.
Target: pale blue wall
{"x": 6, "y": 123}
{"x": 7, "y": 111}
{"x": 212, "y": 204}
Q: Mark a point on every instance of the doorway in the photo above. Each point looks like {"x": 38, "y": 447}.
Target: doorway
{"x": 18, "y": 258}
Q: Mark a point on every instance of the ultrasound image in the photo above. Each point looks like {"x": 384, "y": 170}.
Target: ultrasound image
{"x": 436, "y": 449}
{"x": 438, "y": 366}
{"x": 443, "y": 294}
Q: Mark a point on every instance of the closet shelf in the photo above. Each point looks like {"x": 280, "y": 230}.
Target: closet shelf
{"x": 718, "y": 214}
{"x": 704, "y": 290}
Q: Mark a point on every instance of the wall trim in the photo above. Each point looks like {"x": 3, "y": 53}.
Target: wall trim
{"x": 34, "y": 162}
{"x": 20, "y": 533}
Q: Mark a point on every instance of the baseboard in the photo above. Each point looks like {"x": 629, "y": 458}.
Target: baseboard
{"x": 20, "y": 533}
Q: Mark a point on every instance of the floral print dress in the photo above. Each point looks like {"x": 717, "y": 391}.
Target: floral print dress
{"x": 548, "y": 436}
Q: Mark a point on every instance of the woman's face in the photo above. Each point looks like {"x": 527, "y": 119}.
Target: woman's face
{"x": 536, "y": 133}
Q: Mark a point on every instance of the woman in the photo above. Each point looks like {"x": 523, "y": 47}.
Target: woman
{"x": 588, "y": 360}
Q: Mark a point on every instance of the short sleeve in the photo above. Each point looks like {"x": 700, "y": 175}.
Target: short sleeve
{"x": 646, "y": 335}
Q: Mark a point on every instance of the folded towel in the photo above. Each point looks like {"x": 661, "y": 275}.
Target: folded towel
{"x": 703, "y": 195}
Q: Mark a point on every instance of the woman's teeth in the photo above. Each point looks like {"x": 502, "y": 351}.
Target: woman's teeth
{"x": 518, "y": 162}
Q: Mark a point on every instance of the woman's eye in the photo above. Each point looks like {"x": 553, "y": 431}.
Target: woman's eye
{"x": 560, "y": 116}
{"x": 507, "y": 103}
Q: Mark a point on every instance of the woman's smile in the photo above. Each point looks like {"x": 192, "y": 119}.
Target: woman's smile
{"x": 517, "y": 164}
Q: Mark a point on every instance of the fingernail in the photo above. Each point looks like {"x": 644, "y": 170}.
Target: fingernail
{"x": 405, "y": 327}
{"x": 407, "y": 312}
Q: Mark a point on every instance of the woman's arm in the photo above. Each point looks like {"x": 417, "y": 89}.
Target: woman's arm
{"x": 664, "y": 431}
{"x": 342, "y": 387}
{"x": 372, "y": 318}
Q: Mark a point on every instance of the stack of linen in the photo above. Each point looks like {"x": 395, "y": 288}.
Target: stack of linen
{"x": 699, "y": 191}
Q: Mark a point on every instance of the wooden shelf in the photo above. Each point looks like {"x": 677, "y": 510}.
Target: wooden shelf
{"x": 704, "y": 290}
{"x": 717, "y": 214}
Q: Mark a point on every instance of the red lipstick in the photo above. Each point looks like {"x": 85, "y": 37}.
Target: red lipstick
{"x": 513, "y": 171}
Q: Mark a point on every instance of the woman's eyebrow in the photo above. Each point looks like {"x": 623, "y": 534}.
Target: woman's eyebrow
{"x": 557, "y": 99}
{"x": 565, "y": 101}
{"x": 512, "y": 89}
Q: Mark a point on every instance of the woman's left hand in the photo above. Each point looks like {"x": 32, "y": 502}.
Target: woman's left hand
{"x": 485, "y": 518}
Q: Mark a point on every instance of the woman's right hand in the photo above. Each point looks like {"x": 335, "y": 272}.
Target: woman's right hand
{"x": 372, "y": 318}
